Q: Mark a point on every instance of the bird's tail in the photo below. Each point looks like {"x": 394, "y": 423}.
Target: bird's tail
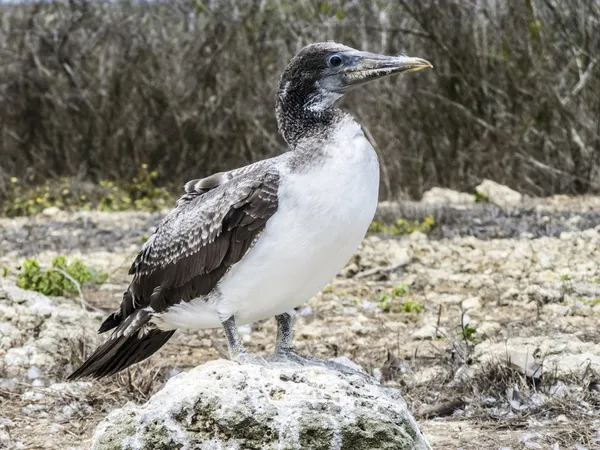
{"x": 134, "y": 340}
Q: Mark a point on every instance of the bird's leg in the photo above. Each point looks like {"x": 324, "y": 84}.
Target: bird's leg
{"x": 284, "y": 333}
{"x": 237, "y": 352}
{"x": 234, "y": 342}
{"x": 284, "y": 350}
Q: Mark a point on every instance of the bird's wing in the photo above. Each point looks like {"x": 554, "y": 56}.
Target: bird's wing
{"x": 200, "y": 186}
{"x": 199, "y": 241}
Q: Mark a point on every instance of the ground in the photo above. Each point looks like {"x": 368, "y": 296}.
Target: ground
{"x": 488, "y": 325}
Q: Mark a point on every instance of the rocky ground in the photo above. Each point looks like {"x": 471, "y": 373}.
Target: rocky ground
{"x": 505, "y": 352}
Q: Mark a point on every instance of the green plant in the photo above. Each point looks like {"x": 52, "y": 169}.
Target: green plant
{"x": 565, "y": 277}
{"x": 400, "y": 290}
{"x": 481, "y": 198}
{"x": 410, "y": 306}
{"x": 145, "y": 194}
{"x": 385, "y": 302}
{"x": 390, "y": 302}
{"x": 468, "y": 332}
{"x": 23, "y": 199}
{"x": 139, "y": 194}
{"x": 4, "y": 272}
{"x": 53, "y": 281}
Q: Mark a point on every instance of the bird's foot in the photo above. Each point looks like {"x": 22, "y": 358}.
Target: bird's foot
{"x": 249, "y": 358}
{"x": 290, "y": 355}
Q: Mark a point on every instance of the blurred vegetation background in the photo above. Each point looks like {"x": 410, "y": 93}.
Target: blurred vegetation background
{"x": 168, "y": 91}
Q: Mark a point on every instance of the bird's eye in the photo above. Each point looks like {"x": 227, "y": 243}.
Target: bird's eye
{"x": 335, "y": 61}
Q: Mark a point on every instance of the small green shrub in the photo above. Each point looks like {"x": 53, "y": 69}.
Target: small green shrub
{"x": 480, "y": 198}
{"x": 593, "y": 302}
{"x": 402, "y": 226}
{"x": 69, "y": 194}
{"x": 400, "y": 290}
{"x": 146, "y": 196}
{"x": 390, "y": 302}
{"x": 52, "y": 282}
{"x": 327, "y": 289}
{"x": 410, "y": 306}
{"x": 385, "y": 302}
{"x": 469, "y": 332}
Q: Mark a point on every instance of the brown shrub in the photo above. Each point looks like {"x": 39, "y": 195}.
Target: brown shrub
{"x": 94, "y": 89}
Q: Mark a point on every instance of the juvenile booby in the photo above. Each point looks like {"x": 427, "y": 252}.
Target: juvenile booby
{"x": 257, "y": 241}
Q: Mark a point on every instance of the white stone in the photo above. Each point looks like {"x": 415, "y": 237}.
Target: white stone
{"x": 253, "y": 406}
{"x": 444, "y": 196}
{"x": 561, "y": 355}
{"x": 429, "y": 331}
{"x": 542, "y": 295}
{"x": 51, "y": 211}
{"x": 34, "y": 373}
{"x": 472, "y": 304}
{"x": 9, "y": 335}
{"x": 500, "y": 195}
{"x": 42, "y": 325}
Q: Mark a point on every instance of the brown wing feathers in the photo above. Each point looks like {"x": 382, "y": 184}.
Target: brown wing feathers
{"x": 187, "y": 256}
{"x": 198, "y": 264}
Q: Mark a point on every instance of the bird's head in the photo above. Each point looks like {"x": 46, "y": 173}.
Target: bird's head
{"x": 321, "y": 73}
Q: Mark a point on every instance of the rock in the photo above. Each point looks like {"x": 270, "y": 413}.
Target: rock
{"x": 488, "y": 329}
{"x": 542, "y": 296}
{"x": 443, "y": 196}
{"x": 559, "y": 355}
{"x": 526, "y": 364}
{"x": 500, "y": 195}
{"x": 511, "y": 293}
{"x": 416, "y": 236}
{"x": 51, "y": 211}
{"x": 586, "y": 289}
{"x": 223, "y": 405}
{"x": 34, "y": 373}
{"x": 9, "y": 334}
{"x": 35, "y": 330}
{"x": 428, "y": 332}
{"x": 471, "y": 303}
{"x": 379, "y": 254}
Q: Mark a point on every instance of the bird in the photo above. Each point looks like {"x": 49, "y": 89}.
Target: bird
{"x": 255, "y": 242}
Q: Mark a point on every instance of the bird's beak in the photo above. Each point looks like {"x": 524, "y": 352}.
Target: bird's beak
{"x": 369, "y": 66}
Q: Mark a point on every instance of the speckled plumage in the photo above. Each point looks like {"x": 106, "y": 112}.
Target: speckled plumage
{"x": 254, "y": 242}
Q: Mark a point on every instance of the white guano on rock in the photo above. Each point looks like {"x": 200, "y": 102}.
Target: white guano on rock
{"x": 226, "y": 406}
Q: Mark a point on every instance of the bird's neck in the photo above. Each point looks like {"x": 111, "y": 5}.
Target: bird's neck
{"x": 299, "y": 121}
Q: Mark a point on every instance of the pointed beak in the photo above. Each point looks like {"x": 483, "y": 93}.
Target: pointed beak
{"x": 369, "y": 66}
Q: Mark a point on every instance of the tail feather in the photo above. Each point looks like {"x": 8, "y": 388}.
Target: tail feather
{"x": 132, "y": 342}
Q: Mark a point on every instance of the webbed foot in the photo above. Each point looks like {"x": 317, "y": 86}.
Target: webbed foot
{"x": 291, "y": 356}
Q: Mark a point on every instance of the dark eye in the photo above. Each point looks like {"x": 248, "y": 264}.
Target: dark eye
{"x": 335, "y": 61}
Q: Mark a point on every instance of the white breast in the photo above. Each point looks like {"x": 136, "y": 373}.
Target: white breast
{"x": 323, "y": 215}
